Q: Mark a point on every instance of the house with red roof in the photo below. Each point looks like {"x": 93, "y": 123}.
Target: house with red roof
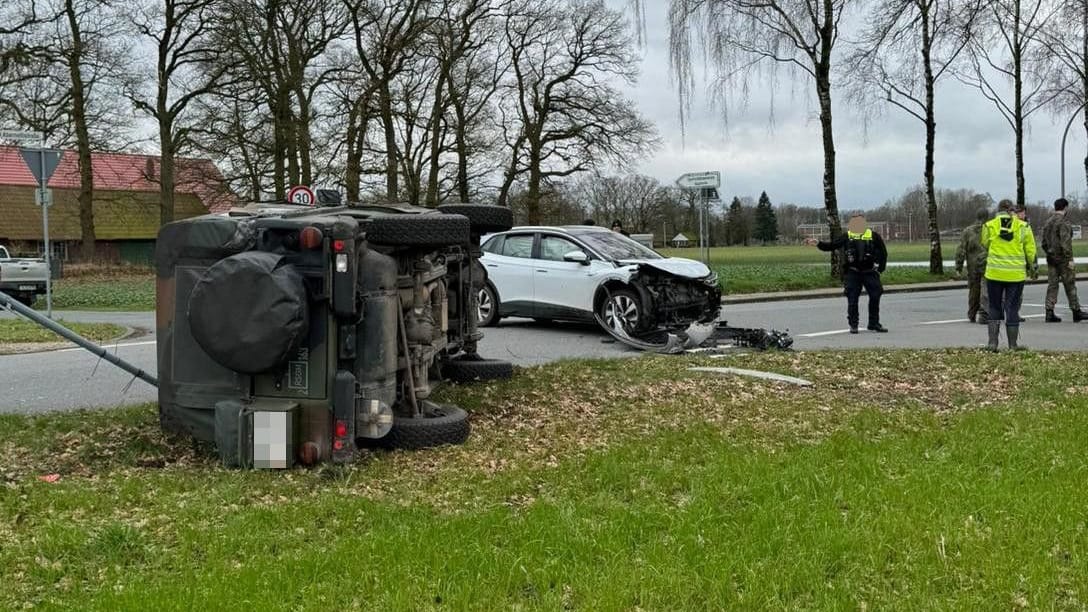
{"x": 126, "y": 203}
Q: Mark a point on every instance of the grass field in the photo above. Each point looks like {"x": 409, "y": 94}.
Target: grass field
{"x": 18, "y": 331}
{"x": 905, "y": 480}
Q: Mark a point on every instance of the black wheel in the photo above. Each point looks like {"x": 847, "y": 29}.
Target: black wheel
{"x": 418, "y": 230}
{"x": 26, "y": 299}
{"x": 476, "y": 369}
{"x": 484, "y": 218}
{"x": 487, "y": 306}
{"x": 441, "y": 425}
{"x": 622, "y": 309}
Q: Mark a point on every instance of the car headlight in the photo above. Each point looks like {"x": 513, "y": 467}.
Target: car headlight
{"x": 712, "y": 279}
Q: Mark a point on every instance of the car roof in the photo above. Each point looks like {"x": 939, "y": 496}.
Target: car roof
{"x": 562, "y": 229}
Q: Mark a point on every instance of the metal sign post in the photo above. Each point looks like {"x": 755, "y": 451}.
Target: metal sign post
{"x": 42, "y": 163}
{"x": 704, "y": 185}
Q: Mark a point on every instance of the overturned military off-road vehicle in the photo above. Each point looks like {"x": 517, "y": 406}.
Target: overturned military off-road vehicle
{"x": 292, "y": 333}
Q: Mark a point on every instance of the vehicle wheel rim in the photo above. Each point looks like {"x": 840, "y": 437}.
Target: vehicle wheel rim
{"x": 484, "y": 305}
{"x": 622, "y": 313}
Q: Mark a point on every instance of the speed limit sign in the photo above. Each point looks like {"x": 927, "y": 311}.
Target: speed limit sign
{"x": 301, "y": 194}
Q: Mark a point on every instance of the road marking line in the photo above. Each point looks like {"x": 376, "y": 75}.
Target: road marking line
{"x": 112, "y": 346}
{"x": 824, "y": 333}
{"x": 945, "y": 321}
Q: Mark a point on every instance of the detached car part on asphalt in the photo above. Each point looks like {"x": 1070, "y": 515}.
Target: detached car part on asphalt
{"x": 298, "y": 333}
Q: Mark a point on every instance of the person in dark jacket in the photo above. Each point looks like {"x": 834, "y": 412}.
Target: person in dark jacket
{"x": 618, "y": 228}
{"x": 865, "y": 257}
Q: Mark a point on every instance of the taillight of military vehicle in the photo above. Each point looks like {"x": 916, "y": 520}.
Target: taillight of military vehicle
{"x": 311, "y": 238}
{"x": 341, "y": 432}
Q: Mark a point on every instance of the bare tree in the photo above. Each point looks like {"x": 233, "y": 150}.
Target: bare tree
{"x": 385, "y": 34}
{"x": 568, "y": 118}
{"x": 187, "y": 68}
{"x": 1064, "y": 54}
{"x": 907, "y": 47}
{"x": 1004, "y": 51}
{"x": 753, "y": 37}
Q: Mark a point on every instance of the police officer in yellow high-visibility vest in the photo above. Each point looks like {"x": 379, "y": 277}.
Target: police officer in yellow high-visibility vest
{"x": 865, "y": 258}
{"x": 1010, "y": 248}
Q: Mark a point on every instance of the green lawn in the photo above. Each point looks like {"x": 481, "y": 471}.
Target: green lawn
{"x": 796, "y": 254}
{"x": 905, "y": 480}
{"x": 136, "y": 292}
{"x": 19, "y": 331}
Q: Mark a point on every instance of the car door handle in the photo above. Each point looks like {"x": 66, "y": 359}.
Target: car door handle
{"x": 544, "y": 271}
{"x": 492, "y": 265}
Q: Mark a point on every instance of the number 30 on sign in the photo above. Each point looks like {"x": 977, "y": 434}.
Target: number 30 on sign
{"x": 301, "y": 194}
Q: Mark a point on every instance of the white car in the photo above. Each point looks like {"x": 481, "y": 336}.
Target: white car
{"x": 573, "y": 273}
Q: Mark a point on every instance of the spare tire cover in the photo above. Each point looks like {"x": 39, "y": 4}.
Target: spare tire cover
{"x": 249, "y": 312}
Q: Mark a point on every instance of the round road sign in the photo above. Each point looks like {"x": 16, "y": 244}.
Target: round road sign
{"x": 301, "y": 194}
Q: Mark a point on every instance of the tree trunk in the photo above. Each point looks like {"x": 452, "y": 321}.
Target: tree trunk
{"x": 83, "y": 138}
{"x": 1084, "y": 75}
{"x": 385, "y": 105}
{"x": 936, "y": 260}
{"x": 461, "y": 145}
{"x": 353, "y": 169}
{"x": 436, "y": 140}
{"x": 831, "y": 203}
{"x": 302, "y": 137}
{"x": 533, "y": 196}
{"x": 166, "y": 176}
{"x": 1018, "y": 103}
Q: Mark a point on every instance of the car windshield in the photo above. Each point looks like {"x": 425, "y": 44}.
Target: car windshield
{"x": 617, "y": 247}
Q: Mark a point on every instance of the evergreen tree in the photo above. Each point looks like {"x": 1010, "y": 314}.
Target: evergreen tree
{"x": 766, "y": 229}
{"x": 737, "y": 230}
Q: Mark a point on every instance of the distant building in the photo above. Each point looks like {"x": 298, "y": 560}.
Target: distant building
{"x": 680, "y": 241}
{"x": 646, "y": 240}
{"x": 126, "y": 203}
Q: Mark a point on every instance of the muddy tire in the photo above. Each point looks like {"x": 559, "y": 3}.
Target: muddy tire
{"x": 418, "y": 230}
{"x": 444, "y": 425}
{"x": 484, "y": 218}
{"x": 470, "y": 370}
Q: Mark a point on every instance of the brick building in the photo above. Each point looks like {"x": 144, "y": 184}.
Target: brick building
{"x": 126, "y": 203}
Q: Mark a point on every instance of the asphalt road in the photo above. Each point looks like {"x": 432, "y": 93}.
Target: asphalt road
{"x": 73, "y": 378}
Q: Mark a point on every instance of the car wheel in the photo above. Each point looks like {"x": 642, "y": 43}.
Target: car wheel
{"x": 428, "y": 230}
{"x": 622, "y": 309}
{"x": 441, "y": 425}
{"x": 485, "y": 218}
{"x": 487, "y": 306}
{"x": 26, "y": 299}
{"x": 475, "y": 369}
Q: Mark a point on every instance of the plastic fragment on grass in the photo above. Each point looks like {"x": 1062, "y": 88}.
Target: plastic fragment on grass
{"x": 756, "y": 374}
{"x": 50, "y": 478}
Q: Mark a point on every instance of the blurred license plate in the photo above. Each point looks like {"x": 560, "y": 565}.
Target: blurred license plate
{"x": 27, "y": 287}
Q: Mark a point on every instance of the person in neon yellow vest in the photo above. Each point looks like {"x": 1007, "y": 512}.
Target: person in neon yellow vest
{"x": 865, "y": 258}
{"x": 1010, "y": 258}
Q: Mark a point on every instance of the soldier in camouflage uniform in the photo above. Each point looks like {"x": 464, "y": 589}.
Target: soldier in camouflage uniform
{"x": 1058, "y": 245}
{"x": 971, "y": 252}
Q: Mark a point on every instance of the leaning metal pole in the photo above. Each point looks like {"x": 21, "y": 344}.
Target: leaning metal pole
{"x": 1066, "y": 135}
{"x": 10, "y": 303}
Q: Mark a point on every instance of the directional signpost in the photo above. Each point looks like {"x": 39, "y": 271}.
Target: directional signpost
{"x": 705, "y": 186}
{"x": 42, "y": 163}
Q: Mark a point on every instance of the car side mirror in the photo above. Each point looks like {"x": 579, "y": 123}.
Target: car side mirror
{"x": 577, "y": 257}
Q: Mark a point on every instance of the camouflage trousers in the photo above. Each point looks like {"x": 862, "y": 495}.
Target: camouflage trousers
{"x": 1061, "y": 272}
{"x": 977, "y": 298}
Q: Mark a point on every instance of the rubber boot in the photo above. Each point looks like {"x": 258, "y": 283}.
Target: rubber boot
{"x": 983, "y": 318}
{"x": 995, "y": 335}
{"x": 1014, "y": 334}
{"x": 1079, "y": 315}
{"x": 1053, "y": 318}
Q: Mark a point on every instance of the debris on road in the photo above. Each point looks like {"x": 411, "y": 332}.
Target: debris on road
{"x": 700, "y": 338}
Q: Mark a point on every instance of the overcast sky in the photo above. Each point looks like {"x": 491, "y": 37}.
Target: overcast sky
{"x": 974, "y": 143}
